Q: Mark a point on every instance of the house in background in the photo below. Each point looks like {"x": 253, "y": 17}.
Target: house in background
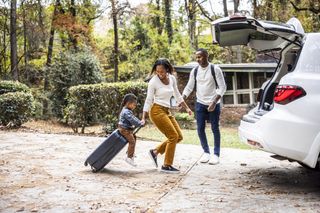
{"x": 243, "y": 83}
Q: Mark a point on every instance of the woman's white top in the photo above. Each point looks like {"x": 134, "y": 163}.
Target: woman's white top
{"x": 161, "y": 94}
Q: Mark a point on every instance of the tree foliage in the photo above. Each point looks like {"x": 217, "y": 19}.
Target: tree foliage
{"x": 71, "y": 69}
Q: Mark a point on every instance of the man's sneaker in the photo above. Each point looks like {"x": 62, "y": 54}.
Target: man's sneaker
{"x": 130, "y": 161}
{"x": 153, "y": 157}
{"x": 169, "y": 169}
{"x": 205, "y": 158}
{"x": 214, "y": 160}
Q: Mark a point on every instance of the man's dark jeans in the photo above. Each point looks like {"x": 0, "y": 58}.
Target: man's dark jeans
{"x": 202, "y": 115}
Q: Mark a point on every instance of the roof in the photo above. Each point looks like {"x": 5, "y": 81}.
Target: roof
{"x": 243, "y": 67}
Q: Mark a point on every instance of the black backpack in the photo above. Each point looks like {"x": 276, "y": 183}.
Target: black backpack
{"x": 213, "y": 75}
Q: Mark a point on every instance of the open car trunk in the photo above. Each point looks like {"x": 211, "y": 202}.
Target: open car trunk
{"x": 263, "y": 36}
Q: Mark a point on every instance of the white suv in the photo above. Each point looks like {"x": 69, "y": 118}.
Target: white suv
{"x": 286, "y": 120}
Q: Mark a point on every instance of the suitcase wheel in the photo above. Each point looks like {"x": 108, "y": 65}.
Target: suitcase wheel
{"x": 86, "y": 163}
{"x": 93, "y": 169}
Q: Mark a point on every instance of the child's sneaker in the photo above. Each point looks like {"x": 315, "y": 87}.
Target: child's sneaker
{"x": 130, "y": 161}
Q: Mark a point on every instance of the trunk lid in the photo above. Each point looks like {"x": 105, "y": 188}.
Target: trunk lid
{"x": 259, "y": 35}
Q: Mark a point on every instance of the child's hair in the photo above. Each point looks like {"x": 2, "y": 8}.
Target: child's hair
{"x": 128, "y": 98}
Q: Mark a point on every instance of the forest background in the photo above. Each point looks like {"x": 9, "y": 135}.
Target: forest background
{"x": 52, "y": 45}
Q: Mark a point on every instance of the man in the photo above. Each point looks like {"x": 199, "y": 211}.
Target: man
{"x": 210, "y": 86}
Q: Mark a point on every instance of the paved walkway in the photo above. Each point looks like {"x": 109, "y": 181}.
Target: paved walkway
{"x": 45, "y": 173}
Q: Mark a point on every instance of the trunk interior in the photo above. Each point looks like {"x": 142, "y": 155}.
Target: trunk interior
{"x": 287, "y": 61}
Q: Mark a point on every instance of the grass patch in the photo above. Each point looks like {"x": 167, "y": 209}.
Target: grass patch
{"x": 229, "y": 136}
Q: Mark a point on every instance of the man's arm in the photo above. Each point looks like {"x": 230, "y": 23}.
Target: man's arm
{"x": 190, "y": 85}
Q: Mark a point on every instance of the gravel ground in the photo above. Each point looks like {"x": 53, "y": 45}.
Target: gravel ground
{"x": 45, "y": 173}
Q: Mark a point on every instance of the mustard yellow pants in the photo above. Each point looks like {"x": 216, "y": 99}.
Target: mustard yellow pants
{"x": 167, "y": 124}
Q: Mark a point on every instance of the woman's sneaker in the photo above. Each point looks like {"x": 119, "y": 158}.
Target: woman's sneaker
{"x": 130, "y": 161}
{"x": 169, "y": 169}
{"x": 153, "y": 157}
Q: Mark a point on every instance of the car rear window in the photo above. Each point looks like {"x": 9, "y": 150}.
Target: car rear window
{"x": 310, "y": 54}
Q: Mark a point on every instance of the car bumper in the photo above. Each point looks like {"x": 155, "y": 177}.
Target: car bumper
{"x": 250, "y": 134}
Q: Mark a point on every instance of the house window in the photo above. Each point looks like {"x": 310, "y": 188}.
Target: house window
{"x": 258, "y": 79}
{"x": 228, "y": 99}
{"x": 255, "y": 96}
{"x": 243, "y": 98}
{"x": 228, "y": 79}
{"x": 242, "y": 80}
{"x": 269, "y": 74}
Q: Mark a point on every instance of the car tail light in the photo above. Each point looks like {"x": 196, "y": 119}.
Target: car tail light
{"x": 285, "y": 94}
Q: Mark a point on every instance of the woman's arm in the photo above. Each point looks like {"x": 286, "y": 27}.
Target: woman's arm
{"x": 179, "y": 98}
{"x": 184, "y": 105}
{"x": 149, "y": 99}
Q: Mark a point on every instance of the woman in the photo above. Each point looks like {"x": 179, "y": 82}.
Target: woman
{"x": 161, "y": 88}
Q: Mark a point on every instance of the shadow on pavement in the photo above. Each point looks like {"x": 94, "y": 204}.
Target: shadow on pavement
{"x": 285, "y": 180}
{"x": 123, "y": 172}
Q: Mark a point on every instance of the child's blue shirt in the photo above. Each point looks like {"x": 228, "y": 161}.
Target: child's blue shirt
{"x": 127, "y": 120}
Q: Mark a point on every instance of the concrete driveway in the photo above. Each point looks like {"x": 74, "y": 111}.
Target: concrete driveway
{"x": 45, "y": 173}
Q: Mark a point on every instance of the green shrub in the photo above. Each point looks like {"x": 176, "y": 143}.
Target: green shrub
{"x": 12, "y": 86}
{"x": 71, "y": 69}
{"x": 39, "y": 96}
{"x": 183, "y": 117}
{"x": 100, "y": 103}
{"x": 31, "y": 74}
{"x": 15, "y": 108}
{"x": 185, "y": 120}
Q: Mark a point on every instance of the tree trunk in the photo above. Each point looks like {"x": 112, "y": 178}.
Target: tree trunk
{"x": 167, "y": 8}
{"x": 255, "y": 8}
{"x": 3, "y": 61}
{"x": 49, "y": 57}
{"x": 269, "y": 10}
{"x": 74, "y": 14}
{"x": 236, "y": 5}
{"x": 25, "y": 50}
{"x": 225, "y": 8}
{"x": 158, "y": 19}
{"x": 41, "y": 24}
{"x": 13, "y": 40}
{"x": 190, "y": 7}
{"x": 116, "y": 40}
{"x": 238, "y": 47}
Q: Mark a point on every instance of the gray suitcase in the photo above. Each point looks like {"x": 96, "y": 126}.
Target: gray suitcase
{"x": 109, "y": 148}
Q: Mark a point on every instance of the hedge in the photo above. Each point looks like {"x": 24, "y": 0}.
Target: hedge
{"x": 100, "y": 103}
{"x": 12, "y": 86}
{"x": 15, "y": 108}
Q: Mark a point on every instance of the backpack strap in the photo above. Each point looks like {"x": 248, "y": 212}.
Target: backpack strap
{"x": 213, "y": 73}
{"x": 195, "y": 78}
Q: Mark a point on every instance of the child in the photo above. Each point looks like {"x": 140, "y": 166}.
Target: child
{"x": 127, "y": 123}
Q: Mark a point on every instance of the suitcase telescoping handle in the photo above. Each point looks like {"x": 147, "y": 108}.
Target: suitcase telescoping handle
{"x": 137, "y": 130}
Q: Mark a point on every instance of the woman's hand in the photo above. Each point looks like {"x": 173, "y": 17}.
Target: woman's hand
{"x": 143, "y": 122}
{"x": 189, "y": 111}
